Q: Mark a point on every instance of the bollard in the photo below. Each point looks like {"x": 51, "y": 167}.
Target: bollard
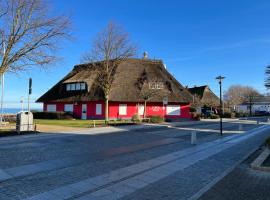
{"x": 240, "y": 127}
{"x": 94, "y": 123}
{"x": 268, "y": 120}
{"x": 193, "y": 137}
{"x": 258, "y": 122}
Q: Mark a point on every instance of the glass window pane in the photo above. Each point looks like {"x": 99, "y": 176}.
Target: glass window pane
{"x": 173, "y": 110}
{"x": 68, "y": 87}
{"x": 73, "y": 86}
{"x": 68, "y": 108}
{"x": 82, "y": 86}
{"x": 122, "y": 109}
{"x": 98, "y": 109}
{"x": 78, "y": 86}
{"x": 51, "y": 108}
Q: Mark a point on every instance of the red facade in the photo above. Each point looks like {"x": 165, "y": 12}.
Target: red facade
{"x": 122, "y": 110}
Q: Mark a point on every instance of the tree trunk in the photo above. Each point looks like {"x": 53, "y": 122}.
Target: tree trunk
{"x": 144, "y": 111}
{"x": 106, "y": 109}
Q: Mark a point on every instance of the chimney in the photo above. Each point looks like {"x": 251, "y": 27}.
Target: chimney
{"x": 145, "y": 55}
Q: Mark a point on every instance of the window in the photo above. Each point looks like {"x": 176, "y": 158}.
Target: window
{"x": 82, "y": 86}
{"x": 78, "y": 86}
{"x": 73, "y": 86}
{"x": 122, "y": 109}
{"x": 156, "y": 85}
{"x": 68, "y": 108}
{"x": 98, "y": 109}
{"x": 51, "y": 108}
{"x": 159, "y": 85}
{"x": 68, "y": 87}
{"x": 173, "y": 110}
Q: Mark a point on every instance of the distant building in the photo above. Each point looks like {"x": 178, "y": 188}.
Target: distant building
{"x": 204, "y": 98}
{"x": 258, "y": 104}
{"x": 79, "y": 93}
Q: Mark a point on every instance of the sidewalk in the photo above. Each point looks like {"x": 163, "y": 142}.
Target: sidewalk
{"x": 243, "y": 183}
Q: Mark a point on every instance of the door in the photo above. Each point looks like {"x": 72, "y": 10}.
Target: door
{"x": 84, "y": 111}
{"x": 141, "y": 109}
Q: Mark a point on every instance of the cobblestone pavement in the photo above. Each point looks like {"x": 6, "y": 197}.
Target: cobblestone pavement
{"x": 139, "y": 164}
{"x": 243, "y": 183}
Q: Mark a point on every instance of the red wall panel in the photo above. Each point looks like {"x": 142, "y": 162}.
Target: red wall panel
{"x": 151, "y": 109}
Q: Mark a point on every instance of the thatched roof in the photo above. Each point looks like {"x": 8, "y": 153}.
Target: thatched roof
{"x": 205, "y": 95}
{"x": 130, "y": 81}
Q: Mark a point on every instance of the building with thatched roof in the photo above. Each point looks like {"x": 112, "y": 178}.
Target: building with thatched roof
{"x": 134, "y": 82}
{"x": 204, "y": 97}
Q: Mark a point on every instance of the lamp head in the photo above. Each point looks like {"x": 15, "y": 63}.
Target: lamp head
{"x": 220, "y": 78}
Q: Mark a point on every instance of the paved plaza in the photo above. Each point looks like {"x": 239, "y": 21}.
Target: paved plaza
{"x": 142, "y": 163}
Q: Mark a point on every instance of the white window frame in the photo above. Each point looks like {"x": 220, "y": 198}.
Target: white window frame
{"x": 98, "y": 109}
{"x": 173, "y": 110}
{"x": 51, "y": 108}
{"x": 68, "y": 108}
{"x": 122, "y": 109}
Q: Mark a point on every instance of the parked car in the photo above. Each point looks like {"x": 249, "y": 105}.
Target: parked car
{"x": 261, "y": 113}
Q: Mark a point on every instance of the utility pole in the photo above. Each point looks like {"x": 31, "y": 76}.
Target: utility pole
{"x": 220, "y": 78}
{"x": 2, "y": 99}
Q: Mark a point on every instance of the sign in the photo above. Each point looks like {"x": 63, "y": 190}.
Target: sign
{"x": 165, "y": 100}
{"x": 155, "y": 108}
{"x": 30, "y": 86}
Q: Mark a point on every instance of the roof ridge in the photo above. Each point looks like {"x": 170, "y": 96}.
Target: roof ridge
{"x": 126, "y": 59}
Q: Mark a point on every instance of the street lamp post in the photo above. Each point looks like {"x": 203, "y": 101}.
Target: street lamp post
{"x": 220, "y": 78}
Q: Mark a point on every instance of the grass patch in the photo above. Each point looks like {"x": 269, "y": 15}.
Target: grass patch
{"x": 79, "y": 123}
{"x": 69, "y": 123}
{"x": 5, "y": 130}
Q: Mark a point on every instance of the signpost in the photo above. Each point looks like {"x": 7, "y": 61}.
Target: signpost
{"x": 29, "y": 93}
{"x": 165, "y": 102}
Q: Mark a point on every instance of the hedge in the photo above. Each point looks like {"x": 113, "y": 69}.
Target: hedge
{"x": 52, "y": 115}
{"x": 156, "y": 119}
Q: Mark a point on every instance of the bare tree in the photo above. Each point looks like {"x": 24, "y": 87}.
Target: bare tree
{"x": 146, "y": 95}
{"x": 29, "y": 35}
{"x": 267, "y": 80}
{"x": 111, "y": 47}
{"x": 238, "y": 94}
{"x": 196, "y": 103}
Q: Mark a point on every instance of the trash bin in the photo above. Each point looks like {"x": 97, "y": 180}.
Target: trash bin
{"x": 24, "y": 121}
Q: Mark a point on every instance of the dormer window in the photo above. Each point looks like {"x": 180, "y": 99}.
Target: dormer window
{"x": 75, "y": 86}
{"x": 156, "y": 85}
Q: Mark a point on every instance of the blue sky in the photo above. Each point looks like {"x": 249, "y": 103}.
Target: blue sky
{"x": 196, "y": 39}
